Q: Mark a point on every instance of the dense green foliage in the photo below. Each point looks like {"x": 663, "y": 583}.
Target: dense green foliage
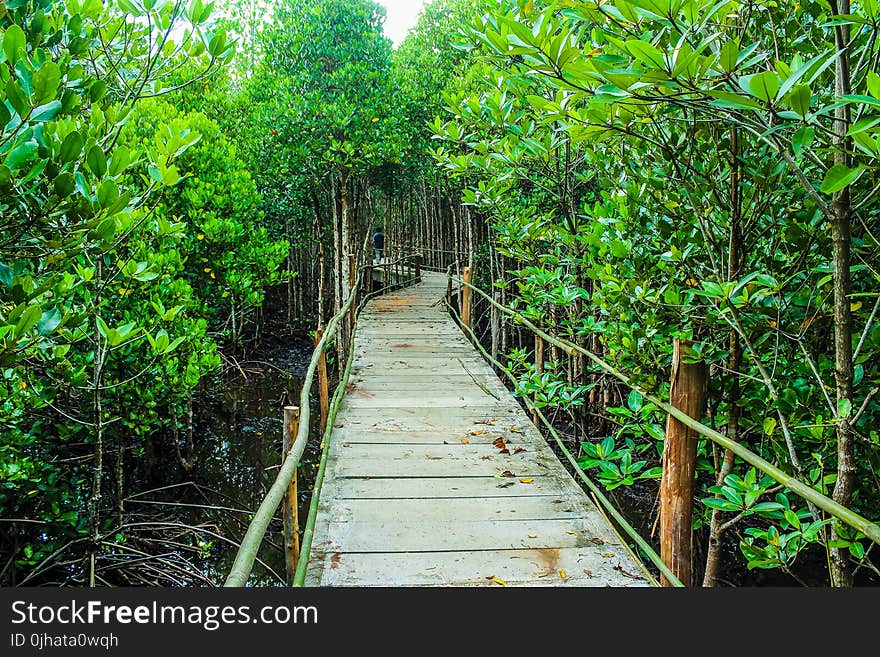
{"x": 677, "y": 169}
{"x": 131, "y": 248}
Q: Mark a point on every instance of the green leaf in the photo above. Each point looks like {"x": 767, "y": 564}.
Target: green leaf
{"x": 71, "y": 147}
{"x": 103, "y": 329}
{"x": 866, "y": 143}
{"x": 863, "y": 124}
{"x": 857, "y": 549}
{"x": 15, "y": 96}
{"x": 840, "y": 176}
{"x": 14, "y": 43}
{"x": 119, "y": 161}
{"x": 732, "y": 100}
{"x": 45, "y": 81}
{"x": 6, "y": 275}
{"x": 844, "y": 407}
{"x": 721, "y": 505}
{"x": 762, "y": 86}
{"x": 21, "y": 155}
{"x": 857, "y": 98}
{"x": 28, "y": 320}
{"x": 97, "y": 161}
{"x": 800, "y": 99}
{"x": 108, "y": 192}
{"x": 766, "y": 506}
{"x": 646, "y": 53}
{"x": 49, "y": 321}
{"x": 46, "y": 112}
{"x": 874, "y": 84}
{"x": 635, "y": 401}
{"x": 769, "y": 426}
{"x": 64, "y": 184}
{"x": 728, "y": 55}
{"x": 618, "y": 249}
{"x": 802, "y": 139}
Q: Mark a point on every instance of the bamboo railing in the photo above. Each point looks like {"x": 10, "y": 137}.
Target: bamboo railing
{"x": 256, "y": 531}
{"x": 870, "y": 529}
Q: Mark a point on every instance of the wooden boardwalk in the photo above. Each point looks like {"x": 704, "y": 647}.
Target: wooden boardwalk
{"x": 420, "y": 490}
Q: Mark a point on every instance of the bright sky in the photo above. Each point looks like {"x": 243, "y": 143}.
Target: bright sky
{"x": 402, "y": 15}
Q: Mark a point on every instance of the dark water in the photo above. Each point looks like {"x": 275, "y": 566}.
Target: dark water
{"x": 238, "y": 441}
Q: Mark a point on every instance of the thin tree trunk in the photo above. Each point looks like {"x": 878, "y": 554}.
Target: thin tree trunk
{"x": 841, "y": 206}
{"x": 734, "y": 264}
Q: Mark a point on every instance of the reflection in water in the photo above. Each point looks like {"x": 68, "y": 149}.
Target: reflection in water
{"x": 238, "y": 445}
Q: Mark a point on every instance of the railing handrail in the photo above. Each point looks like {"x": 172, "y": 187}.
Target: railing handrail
{"x": 256, "y": 531}
{"x": 870, "y": 529}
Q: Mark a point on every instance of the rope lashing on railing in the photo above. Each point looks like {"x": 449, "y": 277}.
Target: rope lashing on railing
{"x": 597, "y": 492}
{"x": 848, "y": 516}
{"x": 253, "y": 538}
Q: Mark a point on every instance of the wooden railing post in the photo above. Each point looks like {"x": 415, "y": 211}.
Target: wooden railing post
{"x": 688, "y": 394}
{"x": 323, "y": 382}
{"x": 368, "y": 277}
{"x": 539, "y": 368}
{"x": 466, "y": 296}
{"x": 417, "y": 259}
{"x": 290, "y": 502}
{"x": 352, "y": 278}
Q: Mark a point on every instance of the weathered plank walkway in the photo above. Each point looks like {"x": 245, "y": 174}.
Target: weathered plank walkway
{"x": 417, "y": 490}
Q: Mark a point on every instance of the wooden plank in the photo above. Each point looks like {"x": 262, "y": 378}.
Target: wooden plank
{"x": 461, "y": 384}
{"x": 456, "y": 450}
{"x": 538, "y": 507}
{"x": 365, "y": 398}
{"x": 529, "y": 567}
{"x": 441, "y": 467}
{"x": 380, "y": 488}
{"x": 436, "y": 536}
{"x": 378, "y": 437}
{"x": 428, "y": 419}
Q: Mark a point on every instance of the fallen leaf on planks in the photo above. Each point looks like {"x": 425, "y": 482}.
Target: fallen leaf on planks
{"x": 465, "y": 441}
{"x": 514, "y": 430}
{"x": 588, "y": 573}
{"x": 498, "y": 580}
{"x": 533, "y": 536}
{"x": 478, "y": 432}
{"x": 485, "y": 458}
{"x": 608, "y": 555}
{"x": 573, "y": 533}
{"x": 519, "y": 449}
{"x": 507, "y": 473}
{"x": 620, "y": 569}
{"x": 527, "y": 480}
{"x": 563, "y": 575}
{"x": 506, "y": 484}
{"x": 597, "y": 541}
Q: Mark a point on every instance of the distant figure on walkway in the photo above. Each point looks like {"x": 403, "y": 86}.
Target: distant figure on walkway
{"x": 379, "y": 244}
